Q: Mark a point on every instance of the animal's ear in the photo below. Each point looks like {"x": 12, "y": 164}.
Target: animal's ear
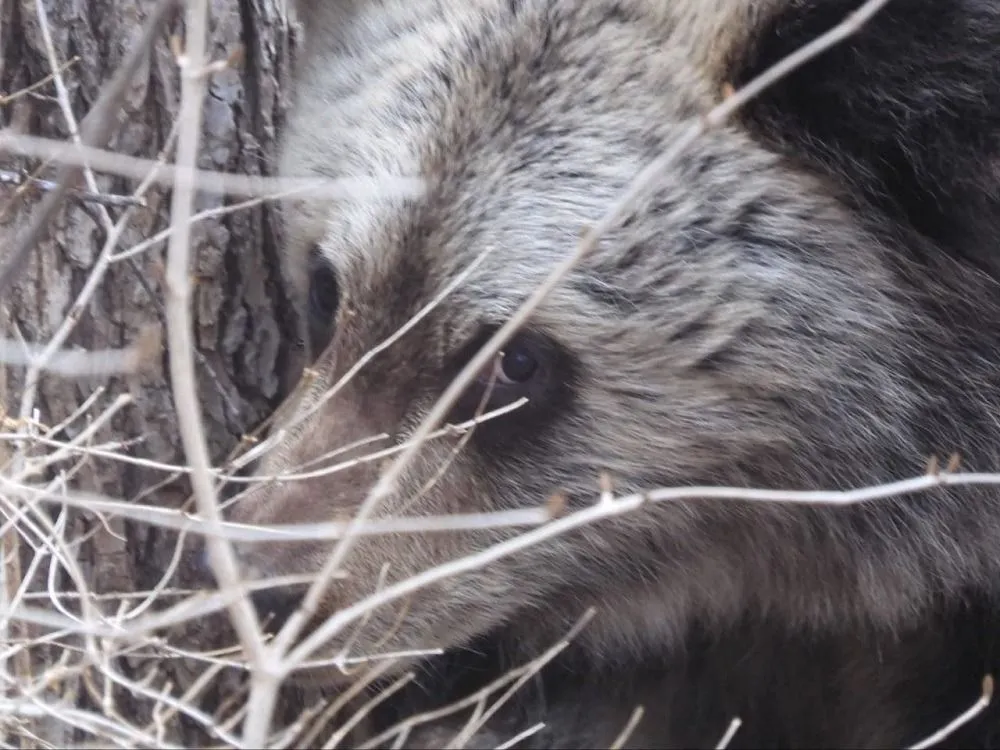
{"x": 904, "y": 113}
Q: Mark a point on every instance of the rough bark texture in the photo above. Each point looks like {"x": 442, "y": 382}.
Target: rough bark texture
{"x": 248, "y": 348}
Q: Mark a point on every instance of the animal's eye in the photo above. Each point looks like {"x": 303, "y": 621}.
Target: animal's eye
{"x": 516, "y": 364}
{"x": 323, "y": 291}
{"x": 324, "y": 298}
{"x": 528, "y": 366}
{"x": 531, "y": 366}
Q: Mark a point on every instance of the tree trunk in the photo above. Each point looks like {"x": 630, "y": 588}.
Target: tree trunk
{"x": 248, "y": 347}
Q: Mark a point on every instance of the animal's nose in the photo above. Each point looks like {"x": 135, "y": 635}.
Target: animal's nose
{"x": 275, "y": 605}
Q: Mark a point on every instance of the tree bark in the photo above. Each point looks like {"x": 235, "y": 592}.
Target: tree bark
{"x": 248, "y": 343}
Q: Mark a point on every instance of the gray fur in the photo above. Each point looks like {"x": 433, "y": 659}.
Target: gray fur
{"x": 751, "y": 324}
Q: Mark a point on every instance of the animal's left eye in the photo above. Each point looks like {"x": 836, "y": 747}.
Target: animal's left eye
{"x": 323, "y": 301}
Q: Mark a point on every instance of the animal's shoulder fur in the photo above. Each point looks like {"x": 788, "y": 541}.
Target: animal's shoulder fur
{"x": 807, "y": 299}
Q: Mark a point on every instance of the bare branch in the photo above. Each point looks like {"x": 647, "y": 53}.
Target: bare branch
{"x": 353, "y": 188}
{"x": 79, "y": 363}
{"x": 181, "y": 343}
{"x": 966, "y": 716}
{"x": 16, "y": 178}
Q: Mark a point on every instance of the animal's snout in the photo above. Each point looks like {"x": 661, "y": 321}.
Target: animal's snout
{"x": 275, "y": 605}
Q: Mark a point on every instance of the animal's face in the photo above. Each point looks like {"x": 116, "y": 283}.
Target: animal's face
{"x": 734, "y": 328}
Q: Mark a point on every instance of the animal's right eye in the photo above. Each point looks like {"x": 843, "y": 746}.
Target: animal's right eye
{"x": 531, "y": 365}
{"x": 517, "y": 364}
{"x": 324, "y": 299}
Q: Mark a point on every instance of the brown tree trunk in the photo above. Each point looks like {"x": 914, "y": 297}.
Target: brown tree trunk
{"x": 247, "y": 344}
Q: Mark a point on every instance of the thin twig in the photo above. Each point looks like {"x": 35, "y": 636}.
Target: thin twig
{"x": 353, "y": 188}
{"x": 16, "y": 178}
{"x": 181, "y": 343}
{"x": 731, "y": 730}
{"x": 966, "y": 716}
{"x": 80, "y": 363}
{"x": 178, "y": 519}
{"x": 6, "y": 99}
{"x": 530, "y": 731}
{"x": 628, "y": 729}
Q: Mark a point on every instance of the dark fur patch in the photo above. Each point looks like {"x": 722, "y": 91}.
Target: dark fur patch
{"x": 906, "y": 112}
